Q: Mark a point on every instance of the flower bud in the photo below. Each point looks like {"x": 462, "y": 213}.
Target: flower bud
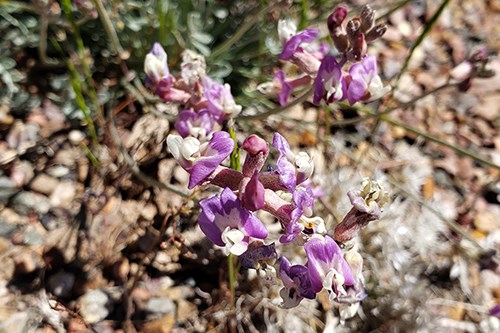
{"x": 252, "y": 193}
{"x": 358, "y": 50}
{"x": 255, "y": 145}
{"x": 336, "y": 18}
{"x": 376, "y": 32}
{"x": 341, "y": 42}
{"x": 353, "y": 29}
{"x": 367, "y": 18}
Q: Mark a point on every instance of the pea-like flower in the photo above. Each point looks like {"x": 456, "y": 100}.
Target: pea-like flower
{"x": 200, "y": 160}
{"x": 327, "y": 267}
{"x": 365, "y": 83}
{"x": 296, "y": 282}
{"x": 155, "y": 65}
{"x": 330, "y": 84}
{"x": 220, "y": 100}
{"x": 226, "y": 223}
{"x": 293, "y": 169}
{"x": 197, "y": 124}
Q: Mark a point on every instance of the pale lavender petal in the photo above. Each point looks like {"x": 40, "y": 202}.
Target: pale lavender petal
{"x": 182, "y": 124}
{"x": 293, "y": 44}
{"x": 286, "y": 89}
{"x": 280, "y": 143}
{"x": 320, "y": 256}
{"x": 219, "y": 148}
{"x": 286, "y": 171}
{"x": 252, "y": 225}
{"x": 209, "y": 209}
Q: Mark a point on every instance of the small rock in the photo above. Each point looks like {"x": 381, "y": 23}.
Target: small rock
{"x": 76, "y": 137}
{"x": 160, "y": 325}
{"x": 44, "y": 184}
{"x": 7, "y": 189}
{"x": 487, "y": 221}
{"x": 94, "y": 306}
{"x": 58, "y": 171}
{"x": 6, "y": 229}
{"x": 16, "y": 323}
{"x": 63, "y": 194}
{"x": 149, "y": 212}
{"x": 27, "y": 202}
{"x": 22, "y": 173}
{"x": 61, "y": 283}
{"x": 27, "y": 262}
{"x": 157, "y": 306}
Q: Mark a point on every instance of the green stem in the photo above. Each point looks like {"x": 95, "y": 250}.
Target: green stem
{"x": 232, "y": 276}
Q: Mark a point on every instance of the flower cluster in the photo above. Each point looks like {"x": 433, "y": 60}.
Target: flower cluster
{"x": 360, "y": 82}
{"x": 230, "y": 221}
{"x": 203, "y": 101}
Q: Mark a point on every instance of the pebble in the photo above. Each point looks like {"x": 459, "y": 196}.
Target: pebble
{"x": 160, "y": 325}
{"x": 76, "y": 137}
{"x": 64, "y": 194}
{"x": 26, "y": 202}
{"x": 7, "y": 189}
{"x": 61, "y": 283}
{"x": 487, "y": 221}
{"x": 157, "y": 306}
{"x": 58, "y": 171}
{"x": 94, "y": 305}
{"x": 44, "y": 184}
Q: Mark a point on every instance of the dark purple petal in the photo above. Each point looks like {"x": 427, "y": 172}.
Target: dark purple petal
{"x": 253, "y": 194}
{"x": 254, "y": 145}
{"x": 294, "y": 42}
{"x": 329, "y": 71}
{"x": 255, "y": 257}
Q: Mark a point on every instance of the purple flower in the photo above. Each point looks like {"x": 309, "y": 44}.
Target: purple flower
{"x": 220, "y": 100}
{"x": 304, "y": 202}
{"x": 155, "y": 65}
{"x": 198, "y": 124}
{"x": 330, "y": 83}
{"x": 293, "y": 44}
{"x": 258, "y": 256}
{"x": 365, "y": 84}
{"x": 327, "y": 268}
{"x": 226, "y": 223}
{"x": 293, "y": 169}
{"x": 200, "y": 160}
{"x": 297, "y": 284}
{"x": 284, "y": 88}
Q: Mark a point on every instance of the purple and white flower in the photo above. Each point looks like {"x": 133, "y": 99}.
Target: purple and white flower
{"x": 327, "y": 268}
{"x": 296, "y": 282}
{"x": 197, "y": 124}
{"x": 226, "y": 223}
{"x": 293, "y": 169}
{"x": 365, "y": 83}
{"x": 220, "y": 100}
{"x": 200, "y": 160}
{"x": 330, "y": 84}
{"x": 293, "y": 44}
{"x": 304, "y": 202}
{"x": 155, "y": 65}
